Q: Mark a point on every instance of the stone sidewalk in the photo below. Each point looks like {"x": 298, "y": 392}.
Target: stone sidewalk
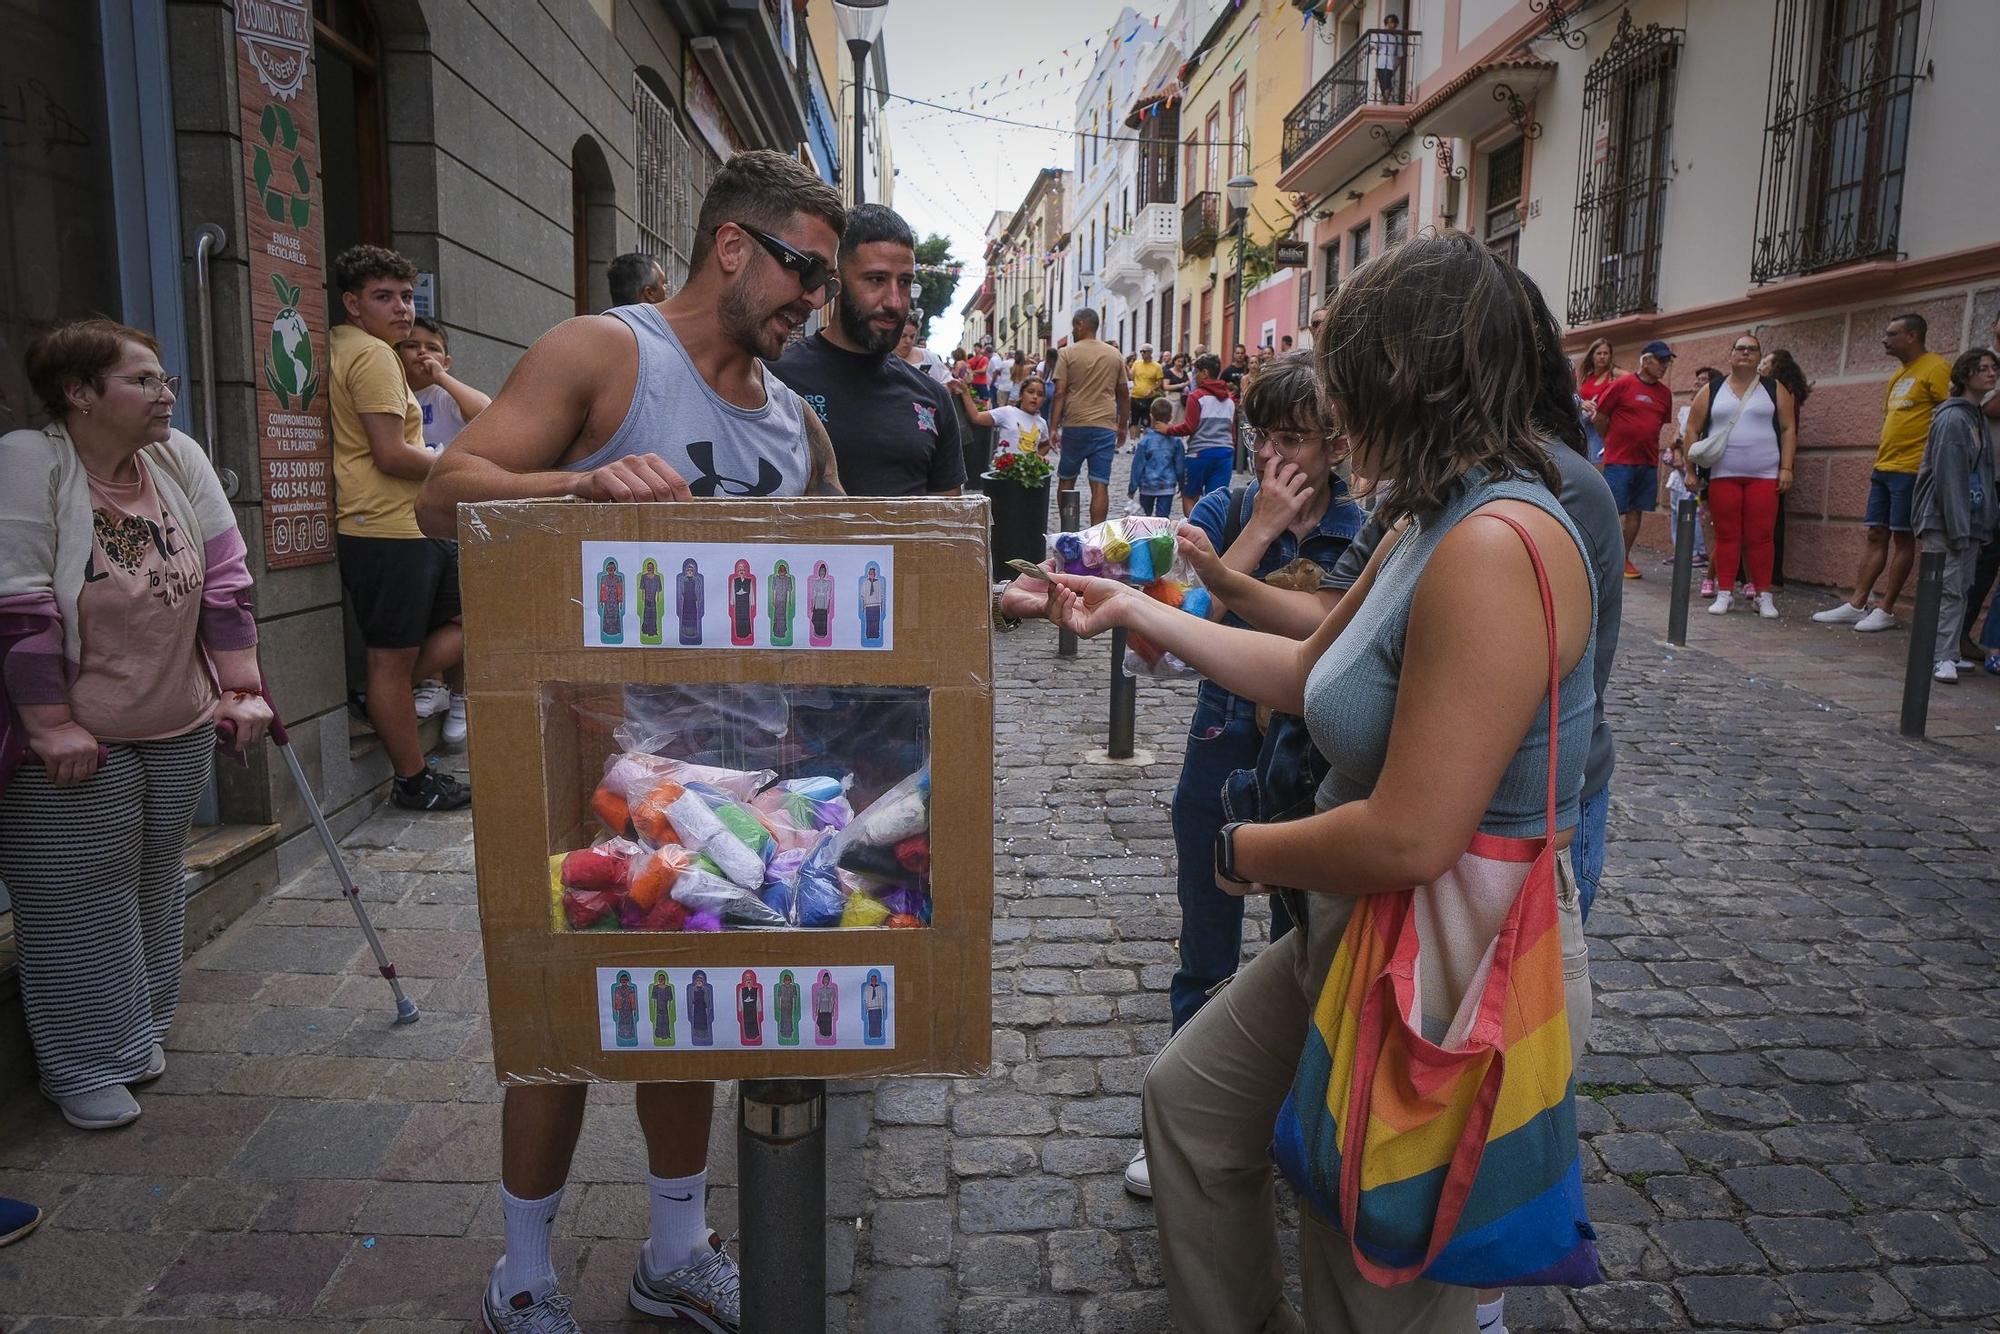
{"x": 1832, "y": 662}
{"x": 1792, "y": 1107}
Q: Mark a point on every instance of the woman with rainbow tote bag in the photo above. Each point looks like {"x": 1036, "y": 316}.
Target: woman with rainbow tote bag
{"x": 1451, "y": 1155}
{"x": 1425, "y": 1050}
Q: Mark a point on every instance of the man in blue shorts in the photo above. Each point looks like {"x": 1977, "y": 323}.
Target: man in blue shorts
{"x": 1631, "y": 416}
{"x": 1093, "y": 403}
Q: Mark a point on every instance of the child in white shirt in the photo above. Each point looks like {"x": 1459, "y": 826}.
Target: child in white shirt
{"x": 1018, "y": 430}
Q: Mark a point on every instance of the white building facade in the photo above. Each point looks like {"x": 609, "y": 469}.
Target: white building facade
{"x": 1105, "y": 178}
{"x": 1686, "y": 170}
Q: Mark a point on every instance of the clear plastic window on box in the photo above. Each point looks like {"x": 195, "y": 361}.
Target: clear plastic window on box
{"x": 703, "y": 808}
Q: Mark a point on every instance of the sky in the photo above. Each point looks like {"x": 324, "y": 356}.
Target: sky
{"x": 954, "y": 171}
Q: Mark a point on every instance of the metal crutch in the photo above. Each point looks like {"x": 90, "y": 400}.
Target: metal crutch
{"x": 406, "y": 1009}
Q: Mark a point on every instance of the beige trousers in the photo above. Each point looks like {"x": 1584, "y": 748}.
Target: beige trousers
{"x": 1211, "y": 1100}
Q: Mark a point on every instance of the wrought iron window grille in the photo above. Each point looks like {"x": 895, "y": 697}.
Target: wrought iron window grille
{"x": 1623, "y": 170}
{"x": 1830, "y": 184}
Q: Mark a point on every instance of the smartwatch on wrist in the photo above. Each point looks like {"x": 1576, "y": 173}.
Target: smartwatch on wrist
{"x": 1225, "y": 853}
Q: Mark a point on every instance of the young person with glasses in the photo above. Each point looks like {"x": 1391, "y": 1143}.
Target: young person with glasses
{"x": 673, "y": 401}
{"x": 1297, "y": 508}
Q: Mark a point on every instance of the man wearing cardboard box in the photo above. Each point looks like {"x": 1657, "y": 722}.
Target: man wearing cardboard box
{"x": 671, "y": 401}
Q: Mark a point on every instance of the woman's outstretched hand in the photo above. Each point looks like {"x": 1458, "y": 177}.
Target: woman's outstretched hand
{"x": 1089, "y": 606}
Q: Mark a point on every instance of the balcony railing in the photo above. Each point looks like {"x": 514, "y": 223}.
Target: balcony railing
{"x": 1376, "y": 71}
{"x": 1200, "y": 222}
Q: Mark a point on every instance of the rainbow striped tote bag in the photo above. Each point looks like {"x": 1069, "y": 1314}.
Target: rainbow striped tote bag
{"x": 1447, "y": 1149}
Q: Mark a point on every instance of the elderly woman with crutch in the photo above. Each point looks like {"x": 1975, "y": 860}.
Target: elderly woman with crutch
{"x": 126, "y": 639}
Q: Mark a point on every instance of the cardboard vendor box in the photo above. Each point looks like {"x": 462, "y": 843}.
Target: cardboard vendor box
{"x": 734, "y": 774}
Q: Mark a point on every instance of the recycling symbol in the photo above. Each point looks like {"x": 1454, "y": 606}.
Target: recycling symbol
{"x": 279, "y": 130}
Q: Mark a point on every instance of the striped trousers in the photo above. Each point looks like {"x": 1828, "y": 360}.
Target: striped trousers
{"x": 97, "y": 876}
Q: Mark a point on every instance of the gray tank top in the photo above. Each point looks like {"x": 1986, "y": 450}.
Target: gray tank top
{"x": 1351, "y": 692}
{"x": 721, "y": 449}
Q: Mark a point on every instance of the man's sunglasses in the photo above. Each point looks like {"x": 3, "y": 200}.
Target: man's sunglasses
{"x": 811, "y": 271}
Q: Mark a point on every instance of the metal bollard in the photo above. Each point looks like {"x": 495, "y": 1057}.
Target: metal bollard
{"x": 1124, "y": 700}
{"x": 1923, "y": 643}
{"x": 1677, "y": 610}
{"x": 1069, "y": 506}
{"x": 781, "y": 1204}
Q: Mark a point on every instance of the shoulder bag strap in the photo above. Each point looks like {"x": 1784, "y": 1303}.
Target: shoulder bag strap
{"x": 1232, "y": 527}
{"x": 1555, "y": 661}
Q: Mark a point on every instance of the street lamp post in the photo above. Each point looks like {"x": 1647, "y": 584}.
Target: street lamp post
{"x": 1239, "y": 188}
{"x": 860, "y": 24}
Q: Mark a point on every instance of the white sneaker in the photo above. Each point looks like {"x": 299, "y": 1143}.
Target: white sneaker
{"x": 1945, "y": 671}
{"x": 1876, "y": 619}
{"x": 100, "y": 1109}
{"x": 431, "y": 699}
{"x": 1723, "y": 602}
{"x": 1840, "y": 613}
{"x": 454, "y": 721}
{"x": 156, "y": 1065}
{"x": 705, "y": 1291}
{"x": 1767, "y": 606}
{"x": 1138, "y": 1176}
{"x": 523, "y": 1313}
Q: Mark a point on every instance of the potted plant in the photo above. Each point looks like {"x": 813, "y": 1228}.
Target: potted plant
{"x": 1018, "y": 486}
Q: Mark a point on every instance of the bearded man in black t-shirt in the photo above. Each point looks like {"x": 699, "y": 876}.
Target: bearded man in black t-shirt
{"x": 895, "y": 431}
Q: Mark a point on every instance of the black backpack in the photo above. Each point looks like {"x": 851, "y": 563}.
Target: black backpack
{"x": 1285, "y": 783}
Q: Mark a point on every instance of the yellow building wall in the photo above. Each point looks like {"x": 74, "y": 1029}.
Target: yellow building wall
{"x": 1267, "y": 48}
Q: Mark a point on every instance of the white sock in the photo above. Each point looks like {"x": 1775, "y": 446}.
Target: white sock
{"x": 680, "y": 1219}
{"x": 1492, "y": 1316}
{"x": 527, "y": 1266}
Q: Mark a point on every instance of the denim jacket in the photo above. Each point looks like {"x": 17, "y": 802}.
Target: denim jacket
{"x": 1322, "y": 546}
{"x": 1157, "y": 463}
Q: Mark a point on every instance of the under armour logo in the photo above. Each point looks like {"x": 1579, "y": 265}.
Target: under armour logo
{"x": 708, "y": 482}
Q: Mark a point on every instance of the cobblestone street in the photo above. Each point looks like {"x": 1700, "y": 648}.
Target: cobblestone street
{"x": 1792, "y": 1102}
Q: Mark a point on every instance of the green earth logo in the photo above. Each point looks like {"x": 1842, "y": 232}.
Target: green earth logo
{"x": 288, "y": 360}
{"x": 279, "y": 130}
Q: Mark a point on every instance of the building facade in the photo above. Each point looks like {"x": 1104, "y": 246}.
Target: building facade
{"x": 1105, "y": 179}
{"x": 179, "y": 156}
{"x": 1144, "y": 260}
{"x": 1238, "y": 83}
{"x": 1686, "y": 171}
{"x": 1019, "y": 263}
{"x": 833, "y": 69}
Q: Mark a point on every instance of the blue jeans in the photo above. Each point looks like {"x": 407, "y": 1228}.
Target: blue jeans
{"x": 1093, "y": 445}
{"x": 1162, "y": 506}
{"x": 1586, "y": 850}
{"x": 1633, "y": 485}
{"x": 1891, "y": 497}
{"x": 1207, "y": 471}
{"x": 1222, "y": 739}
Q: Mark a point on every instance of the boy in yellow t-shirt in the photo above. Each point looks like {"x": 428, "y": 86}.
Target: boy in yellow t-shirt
{"x": 403, "y": 585}
{"x": 1920, "y": 383}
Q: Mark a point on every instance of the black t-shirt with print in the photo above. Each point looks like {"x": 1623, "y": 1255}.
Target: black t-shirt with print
{"x": 894, "y": 429}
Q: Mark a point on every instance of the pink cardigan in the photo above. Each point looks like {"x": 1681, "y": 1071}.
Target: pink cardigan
{"x": 45, "y": 544}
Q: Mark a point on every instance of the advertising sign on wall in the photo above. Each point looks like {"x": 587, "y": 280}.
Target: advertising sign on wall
{"x": 283, "y": 240}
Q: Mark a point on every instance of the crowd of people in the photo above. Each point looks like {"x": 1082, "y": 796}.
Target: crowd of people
{"x": 1732, "y": 448}
{"x": 1426, "y": 562}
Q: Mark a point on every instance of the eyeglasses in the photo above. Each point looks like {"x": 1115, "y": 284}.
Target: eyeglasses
{"x": 1746, "y": 347}
{"x": 811, "y": 271}
{"x": 1290, "y": 440}
{"x": 156, "y": 387}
